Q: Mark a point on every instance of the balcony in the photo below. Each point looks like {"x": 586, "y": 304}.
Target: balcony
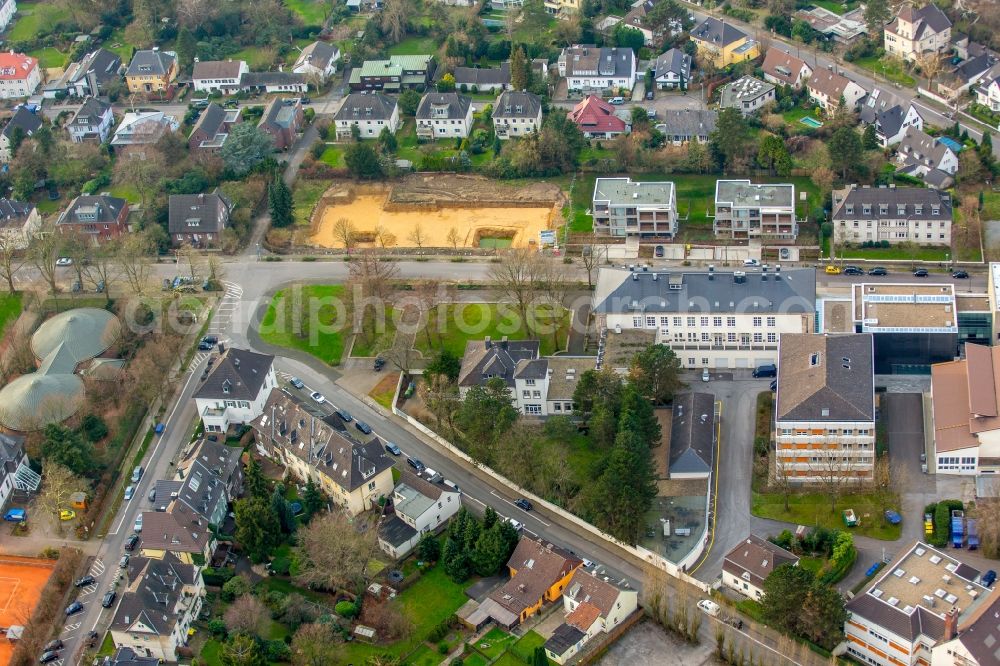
{"x": 214, "y": 411}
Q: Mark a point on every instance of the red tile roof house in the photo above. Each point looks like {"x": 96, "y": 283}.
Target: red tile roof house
{"x": 19, "y": 75}
{"x": 597, "y": 120}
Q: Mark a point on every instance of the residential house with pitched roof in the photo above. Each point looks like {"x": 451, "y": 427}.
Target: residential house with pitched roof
{"x": 394, "y": 74}
{"x": 261, "y": 83}
{"x": 672, "y": 70}
{"x": 973, "y": 638}
{"x": 783, "y": 69}
{"x": 597, "y": 120}
{"x": 915, "y": 33}
{"x": 846, "y": 28}
{"x": 692, "y": 436}
{"x": 92, "y": 122}
{"x": 915, "y": 603}
{"x": 98, "y": 216}
{"x": 23, "y": 122}
{"x": 481, "y": 79}
{"x": 197, "y": 220}
{"x": 516, "y": 113}
{"x": 142, "y": 128}
{"x": 19, "y": 75}
{"x": 218, "y": 76}
{"x": 282, "y": 121}
{"x": 988, "y": 94}
{"x": 317, "y": 62}
{"x": 151, "y": 71}
{"x": 354, "y": 473}
{"x": 485, "y": 359}
{"x": 723, "y": 43}
{"x": 212, "y": 128}
{"x": 750, "y": 562}
{"x": 587, "y": 67}
{"x": 211, "y": 479}
{"x": 561, "y": 8}
{"x": 160, "y": 601}
{"x": 890, "y": 115}
{"x": 370, "y": 112}
{"x": 593, "y": 605}
{"x": 926, "y": 157}
{"x": 236, "y": 389}
{"x": 825, "y": 407}
{"x": 15, "y": 473}
{"x": 828, "y": 89}
{"x": 539, "y": 573}
{"x": 919, "y": 215}
{"x": 965, "y": 413}
{"x": 126, "y": 656}
{"x": 179, "y": 532}
{"x": 682, "y": 125}
{"x": 545, "y": 386}
{"x": 636, "y": 19}
{"x": 444, "y": 115}
{"x": 19, "y": 222}
{"x": 90, "y": 76}
{"x": 418, "y": 507}
{"x": 960, "y": 78}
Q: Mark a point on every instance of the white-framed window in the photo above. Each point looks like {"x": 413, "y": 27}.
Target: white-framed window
{"x": 730, "y": 337}
{"x": 731, "y": 322}
{"x": 636, "y": 322}
{"x": 704, "y": 321}
{"x": 650, "y": 322}
{"x": 533, "y": 409}
{"x": 717, "y": 322}
{"x": 771, "y": 322}
{"x": 677, "y": 321}
{"x": 529, "y": 382}
{"x": 690, "y": 321}
{"x": 772, "y": 337}
{"x": 757, "y": 321}
{"x": 758, "y": 337}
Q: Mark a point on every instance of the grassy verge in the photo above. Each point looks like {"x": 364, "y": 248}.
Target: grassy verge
{"x": 298, "y": 319}
{"x": 455, "y": 324}
{"x": 10, "y": 309}
{"x": 366, "y": 347}
{"x": 305, "y": 196}
{"x": 888, "y": 67}
{"x": 385, "y": 390}
{"x": 894, "y": 253}
{"x": 812, "y": 509}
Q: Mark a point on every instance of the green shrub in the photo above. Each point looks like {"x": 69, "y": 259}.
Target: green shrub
{"x": 440, "y": 631}
{"x": 281, "y": 566}
{"x": 278, "y": 651}
{"x": 235, "y": 587}
{"x": 346, "y": 609}
{"x": 217, "y": 577}
{"x": 217, "y": 627}
{"x": 443, "y": 647}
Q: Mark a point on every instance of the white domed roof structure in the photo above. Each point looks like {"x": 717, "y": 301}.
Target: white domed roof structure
{"x": 84, "y": 332}
{"x": 32, "y": 401}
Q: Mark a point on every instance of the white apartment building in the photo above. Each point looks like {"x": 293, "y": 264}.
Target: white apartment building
{"x": 371, "y": 112}
{"x": 235, "y": 390}
{"x": 516, "y": 113}
{"x": 7, "y": 10}
{"x": 19, "y": 75}
{"x": 710, "y": 319}
{"x": 747, "y": 210}
{"x": 916, "y": 32}
{"x": 913, "y": 605}
{"x": 587, "y": 67}
{"x": 750, "y": 562}
{"x": 825, "y": 407}
{"x": 444, "y": 116}
{"x": 647, "y": 210}
{"x": 895, "y": 214}
{"x": 419, "y": 507}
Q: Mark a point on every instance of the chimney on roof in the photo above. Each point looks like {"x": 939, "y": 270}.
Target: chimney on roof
{"x": 503, "y": 342}
{"x": 950, "y": 619}
{"x": 236, "y": 362}
{"x": 488, "y": 342}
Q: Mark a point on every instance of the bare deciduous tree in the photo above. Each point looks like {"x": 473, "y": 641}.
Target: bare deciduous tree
{"x": 247, "y": 614}
{"x": 591, "y": 256}
{"x": 454, "y": 238}
{"x": 143, "y": 173}
{"x": 134, "y": 254}
{"x": 384, "y": 237}
{"x": 150, "y": 369}
{"x": 516, "y": 277}
{"x": 191, "y": 257}
{"x": 395, "y": 15}
{"x": 11, "y": 259}
{"x": 334, "y": 553}
{"x": 103, "y": 268}
{"x": 58, "y": 484}
{"x": 417, "y": 236}
{"x": 43, "y": 252}
{"x": 344, "y": 231}
{"x": 316, "y": 645}
{"x": 372, "y": 279}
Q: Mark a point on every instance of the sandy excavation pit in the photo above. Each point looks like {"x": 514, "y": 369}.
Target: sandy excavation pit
{"x": 477, "y": 208}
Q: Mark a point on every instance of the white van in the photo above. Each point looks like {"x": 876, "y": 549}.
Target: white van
{"x": 617, "y": 100}
{"x": 452, "y": 486}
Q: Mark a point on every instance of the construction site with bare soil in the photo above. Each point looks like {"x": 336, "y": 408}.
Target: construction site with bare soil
{"x": 437, "y": 210}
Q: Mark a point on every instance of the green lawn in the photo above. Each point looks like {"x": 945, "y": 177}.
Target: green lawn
{"x": 593, "y": 153}
{"x": 256, "y": 57}
{"x": 313, "y": 12}
{"x": 812, "y": 509}
{"x": 463, "y": 322}
{"x": 474, "y": 659}
{"x": 920, "y": 254}
{"x": 117, "y": 43}
{"x": 991, "y": 205}
{"x": 305, "y": 194}
{"x": 379, "y": 342}
{"x": 308, "y": 323}
{"x": 10, "y": 309}
{"x": 525, "y": 647}
{"x": 127, "y": 192}
{"x": 334, "y": 156}
{"x": 33, "y": 18}
{"x": 813, "y": 564}
{"x": 890, "y": 68}
{"x": 211, "y": 654}
{"x": 424, "y": 656}
{"x": 285, "y": 586}
{"x": 835, "y": 6}
{"x": 427, "y": 603}
{"x": 495, "y": 642}
{"x": 415, "y": 46}
{"x": 794, "y": 117}
{"x": 49, "y": 57}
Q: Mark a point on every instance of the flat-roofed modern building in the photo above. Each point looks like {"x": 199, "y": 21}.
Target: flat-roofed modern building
{"x": 647, "y": 210}
{"x": 916, "y": 602}
{"x": 825, "y": 408}
{"x": 709, "y": 319}
{"x": 914, "y": 325}
{"x": 747, "y": 210}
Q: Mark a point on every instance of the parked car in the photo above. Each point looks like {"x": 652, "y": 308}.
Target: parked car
{"x": 416, "y": 464}
{"x": 317, "y": 397}
{"x": 393, "y": 449}
{"x": 379, "y": 363}
{"x": 852, "y": 270}
{"x": 432, "y": 476}
{"x": 709, "y": 606}
{"x": 129, "y": 491}
{"x": 64, "y": 261}
{"x": 131, "y": 542}
{"x": 705, "y": 375}
{"x": 47, "y": 657}
{"x": 15, "y": 515}
{"x": 86, "y": 580}
{"x": 54, "y": 644}
{"x": 138, "y": 523}
{"x": 878, "y": 270}
{"x": 769, "y": 370}
{"x": 152, "y": 494}
{"x": 200, "y": 104}
{"x": 920, "y": 272}
{"x": 516, "y": 524}
{"x": 137, "y": 474}
{"x": 109, "y": 598}
{"x": 774, "y": 384}
{"x": 74, "y": 608}
{"x": 960, "y": 275}
{"x": 893, "y": 517}
{"x": 363, "y": 427}
{"x": 616, "y": 100}
{"x": 989, "y": 578}
{"x": 124, "y": 561}
{"x": 750, "y": 263}
{"x": 208, "y": 342}
{"x": 833, "y": 270}
{"x": 344, "y": 415}
{"x": 296, "y": 383}
{"x": 67, "y": 514}
{"x": 658, "y": 252}
{"x": 522, "y": 503}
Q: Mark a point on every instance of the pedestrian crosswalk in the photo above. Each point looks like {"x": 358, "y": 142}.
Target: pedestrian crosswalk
{"x": 227, "y": 310}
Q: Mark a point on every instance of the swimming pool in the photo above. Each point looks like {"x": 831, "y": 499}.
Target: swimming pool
{"x": 810, "y": 121}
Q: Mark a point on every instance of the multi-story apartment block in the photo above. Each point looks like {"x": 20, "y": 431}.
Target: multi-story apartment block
{"x": 895, "y": 214}
{"x": 444, "y": 116}
{"x": 371, "y": 112}
{"x": 235, "y": 391}
{"x": 710, "y": 319}
{"x": 7, "y": 10}
{"x": 587, "y": 67}
{"x": 746, "y": 210}
{"x": 402, "y": 71}
{"x": 647, "y": 210}
{"x": 825, "y": 407}
{"x": 913, "y": 605}
{"x": 516, "y": 113}
{"x": 917, "y": 32}
{"x": 19, "y": 75}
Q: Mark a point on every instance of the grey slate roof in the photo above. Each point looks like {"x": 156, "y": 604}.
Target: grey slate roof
{"x": 395, "y": 532}
{"x": 920, "y": 149}
{"x": 928, "y": 19}
{"x": 204, "y": 486}
{"x": 692, "y": 434}
{"x": 826, "y": 377}
{"x": 154, "y": 589}
{"x": 238, "y": 375}
{"x": 908, "y": 197}
{"x": 317, "y": 54}
{"x": 981, "y": 635}
{"x": 884, "y": 110}
{"x": 164, "y": 489}
{"x": 563, "y": 638}
{"x": 261, "y": 79}
{"x": 91, "y": 112}
{"x": 716, "y": 32}
{"x": 675, "y": 61}
{"x": 125, "y": 656}
{"x": 458, "y": 105}
{"x": 103, "y": 63}
{"x": 793, "y": 293}
{"x": 510, "y": 101}
{"x": 498, "y": 358}
{"x": 606, "y": 61}
{"x": 480, "y": 76}
{"x": 211, "y": 120}
{"x": 757, "y": 558}
{"x": 147, "y": 62}
{"x": 107, "y": 208}
{"x": 29, "y": 122}
{"x": 366, "y": 106}
{"x": 689, "y": 122}
{"x": 198, "y": 213}
{"x": 179, "y": 530}
{"x": 14, "y": 213}
{"x": 216, "y": 69}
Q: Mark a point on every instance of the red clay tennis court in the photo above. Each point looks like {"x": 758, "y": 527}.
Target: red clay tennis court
{"x": 21, "y": 583}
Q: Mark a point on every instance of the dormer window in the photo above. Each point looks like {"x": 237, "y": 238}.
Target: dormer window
{"x": 867, "y": 209}
{"x": 900, "y": 209}
{"x": 918, "y": 209}
{"x": 849, "y": 209}
{"x": 883, "y": 209}
{"x": 935, "y": 209}
{"x": 519, "y": 109}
